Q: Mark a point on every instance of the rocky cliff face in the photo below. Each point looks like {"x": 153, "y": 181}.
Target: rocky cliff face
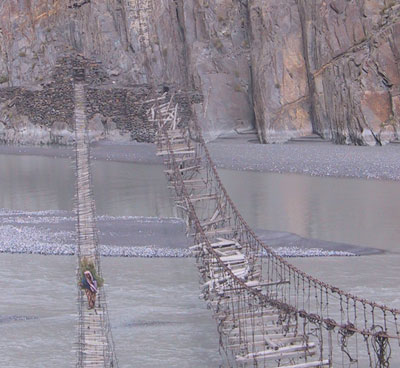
{"x": 281, "y": 90}
{"x": 329, "y": 67}
{"x": 291, "y": 68}
{"x": 199, "y": 44}
{"x": 352, "y": 51}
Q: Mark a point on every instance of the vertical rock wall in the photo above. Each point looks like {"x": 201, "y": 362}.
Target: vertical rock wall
{"x": 352, "y": 52}
{"x": 291, "y": 67}
{"x": 218, "y": 62}
{"x": 329, "y": 67}
{"x": 281, "y": 93}
{"x": 135, "y": 40}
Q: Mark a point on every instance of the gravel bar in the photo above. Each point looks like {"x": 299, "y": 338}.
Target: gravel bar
{"x": 308, "y": 158}
{"x": 53, "y": 233}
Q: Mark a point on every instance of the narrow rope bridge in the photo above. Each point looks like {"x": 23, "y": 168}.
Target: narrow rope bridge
{"x": 95, "y": 346}
{"x": 269, "y": 313}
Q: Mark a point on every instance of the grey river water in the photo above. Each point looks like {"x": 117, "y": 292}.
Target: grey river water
{"x": 157, "y": 317}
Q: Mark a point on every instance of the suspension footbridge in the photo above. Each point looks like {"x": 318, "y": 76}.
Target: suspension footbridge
{"x": 95, "y": 344}
{"x": 268, "y": 312}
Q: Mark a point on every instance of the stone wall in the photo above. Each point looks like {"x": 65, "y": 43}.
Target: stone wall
{"x": 45, "y": 115}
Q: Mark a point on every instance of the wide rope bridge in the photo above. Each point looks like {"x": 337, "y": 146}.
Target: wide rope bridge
{"x": 269, "y": 313}
{"x": 95, "y": 347}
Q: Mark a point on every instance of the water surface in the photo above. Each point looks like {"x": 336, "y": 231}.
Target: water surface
{"x": 34, "y": 183}
{"x": 355, "y": 211}
{"x": 157, "y": 317}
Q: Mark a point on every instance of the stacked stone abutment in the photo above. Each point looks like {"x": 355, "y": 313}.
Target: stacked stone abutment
{"x": 45, "y": 115}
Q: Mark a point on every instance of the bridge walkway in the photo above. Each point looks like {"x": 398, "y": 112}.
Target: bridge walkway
{"x": 95, "y": 346}
{"x": 253, "y": 333}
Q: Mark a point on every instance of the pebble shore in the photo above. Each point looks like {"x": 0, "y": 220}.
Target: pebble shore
{"x": 52, "y": 233}
{"x": 152, "y": 251}
{"x": 314, "y": 159}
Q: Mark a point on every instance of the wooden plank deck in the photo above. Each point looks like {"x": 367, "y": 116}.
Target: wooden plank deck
{"x": 94, "y": 349}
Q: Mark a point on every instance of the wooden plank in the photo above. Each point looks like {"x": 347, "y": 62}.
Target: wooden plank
{"x": 260, "y": 284}
{"x": 259, "y": 341}
{"x": 319, "y": 363}
{"x": 186, "y": 159}
{"x": 257, "y": 312}
{"x": 203, "y": 197}
{"x": 259, "y": 337}
{"x": 298, "y": 351}
{"x": 221, "y": 301}
{"x": 178, "y": 147}
{"x": 223, "y": 243}
{"x": 240, "y": 272}
{"x": 281, "y": 351}
{"x": 213, "y": 222}
{"x": 164, "y": 153}
{"x": 225, "y": 250}
{"x": 177, "y": 138}
{"x": 233, "y": 258}
{"x": 174, "y": 132}
{"x": 252, "y": 321}
{"x": 183, "y": 169}
{"x": 191, "y": 181}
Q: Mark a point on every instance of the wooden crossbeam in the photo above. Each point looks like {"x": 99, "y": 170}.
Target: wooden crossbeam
{"x": 295, "y": 351}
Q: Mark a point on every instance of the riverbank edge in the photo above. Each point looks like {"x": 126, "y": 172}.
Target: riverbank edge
{"x": 241, "y": 154}
{"x": 155, "y": 252}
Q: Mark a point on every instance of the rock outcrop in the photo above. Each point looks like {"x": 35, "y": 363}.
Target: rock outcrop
{"x": 330, "y": 67}
{"x": 193, "y": 44}
{"x": 290, "y": 68}
{"x": 281, "y": 90}
{"x": 352, "y": 52}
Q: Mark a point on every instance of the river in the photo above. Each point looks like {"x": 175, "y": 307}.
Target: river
{"x": 157, "y": 317}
